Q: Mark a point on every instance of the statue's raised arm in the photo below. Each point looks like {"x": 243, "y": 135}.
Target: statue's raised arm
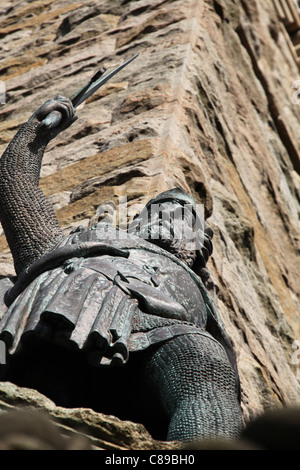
{"x": 28, "y": 220}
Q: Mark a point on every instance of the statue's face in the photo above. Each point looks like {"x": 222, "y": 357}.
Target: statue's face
{"x": 171, "y": 226}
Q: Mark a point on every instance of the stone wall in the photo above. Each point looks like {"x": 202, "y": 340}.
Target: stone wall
{"x": 208, "y": 105}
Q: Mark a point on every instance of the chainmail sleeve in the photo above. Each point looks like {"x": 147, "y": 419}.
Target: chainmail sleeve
{"x": 27, "y": 218}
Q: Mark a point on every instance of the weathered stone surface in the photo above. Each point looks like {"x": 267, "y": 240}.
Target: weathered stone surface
{"x": 207, "y": 106}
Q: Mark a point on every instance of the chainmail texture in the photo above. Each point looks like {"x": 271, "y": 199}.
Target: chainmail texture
{"x": 27, "y": 217}
{"x": 194, "y": 380}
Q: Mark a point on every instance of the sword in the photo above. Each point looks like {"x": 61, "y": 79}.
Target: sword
{"x": 98, "y": 79}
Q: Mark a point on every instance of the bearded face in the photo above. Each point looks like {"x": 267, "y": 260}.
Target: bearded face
{"x": 174, "y": 226}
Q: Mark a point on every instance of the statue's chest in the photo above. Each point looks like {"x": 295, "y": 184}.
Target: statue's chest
{"x": 146, "y": 265}
{"x": 169, "y": 278}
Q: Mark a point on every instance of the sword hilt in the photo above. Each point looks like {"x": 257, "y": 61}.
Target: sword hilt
{"x": 53, "y": 119}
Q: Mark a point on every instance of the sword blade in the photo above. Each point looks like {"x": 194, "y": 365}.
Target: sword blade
{"x": 78, "y": 95}
{"x": 53, "y": 119}
{"x": 101, "y": 81}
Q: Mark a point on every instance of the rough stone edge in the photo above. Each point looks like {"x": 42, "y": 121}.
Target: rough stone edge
{"x": 104, "y": 432}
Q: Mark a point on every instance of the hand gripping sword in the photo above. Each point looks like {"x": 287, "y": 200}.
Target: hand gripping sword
{"x": 53, "y": 119}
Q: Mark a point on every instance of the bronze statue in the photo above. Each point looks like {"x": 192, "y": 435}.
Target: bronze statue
{"x": 83, "y": 304}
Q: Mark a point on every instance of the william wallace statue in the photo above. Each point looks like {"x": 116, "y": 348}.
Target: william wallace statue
{"x": 123, "y": 325}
